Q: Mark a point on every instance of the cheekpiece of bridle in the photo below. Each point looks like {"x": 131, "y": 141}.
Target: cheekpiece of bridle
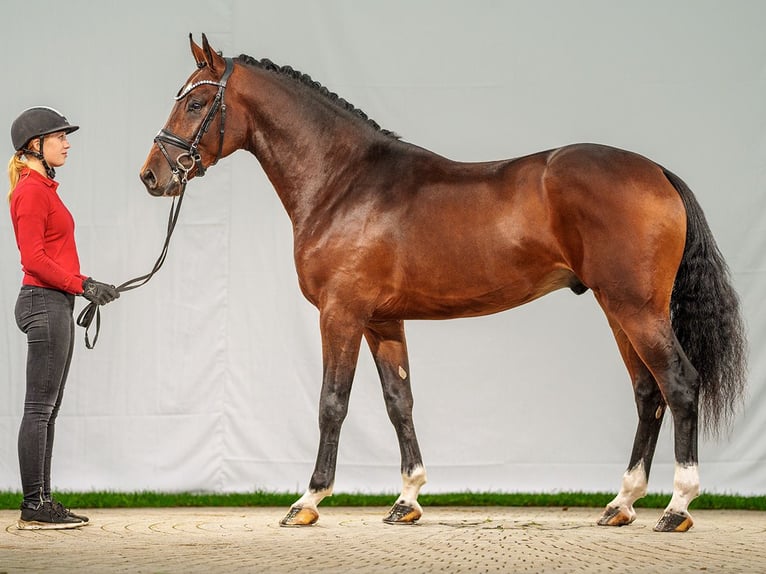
{"x": 190, "y": 158}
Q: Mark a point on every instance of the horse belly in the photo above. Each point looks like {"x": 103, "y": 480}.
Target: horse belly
{"x": 471, "y": 291}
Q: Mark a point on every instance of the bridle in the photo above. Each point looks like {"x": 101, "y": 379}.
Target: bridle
{"x": 190, "y": 158}
{"x": 181, "y": 175}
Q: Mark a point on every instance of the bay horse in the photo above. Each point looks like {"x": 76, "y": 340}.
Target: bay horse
{"x": 386, "y": 231}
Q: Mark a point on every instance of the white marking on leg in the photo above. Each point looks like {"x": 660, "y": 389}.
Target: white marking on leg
{"x": 402, "y": 373}
{"x": 312, "y": 499}
{"x": 633, "y": 487}
{"x": 686, "y": 487}
{"x": 411, "y": 485}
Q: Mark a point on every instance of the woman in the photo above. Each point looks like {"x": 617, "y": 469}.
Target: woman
{"x": 44, "y": 231}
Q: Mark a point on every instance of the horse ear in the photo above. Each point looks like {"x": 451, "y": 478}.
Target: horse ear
{"x": 199, "y": 55}
{"x": 213, "y": 58}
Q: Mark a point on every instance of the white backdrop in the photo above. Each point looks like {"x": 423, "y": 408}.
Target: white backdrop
{"x": 208, "y": 378}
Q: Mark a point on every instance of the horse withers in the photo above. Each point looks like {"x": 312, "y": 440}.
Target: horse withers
{"x": 386, "y": 231}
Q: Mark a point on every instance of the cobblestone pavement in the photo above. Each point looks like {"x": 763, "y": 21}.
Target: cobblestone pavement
{"x": 454, "y": 539}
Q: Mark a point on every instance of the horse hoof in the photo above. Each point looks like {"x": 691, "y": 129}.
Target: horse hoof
{"x": 674, "y": 522}
{"x": 300, "y": 516}
{"x": 402, "y": 514}
{"x": 616, "y": 516}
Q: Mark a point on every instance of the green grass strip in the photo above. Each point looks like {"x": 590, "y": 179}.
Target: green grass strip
{"x": 145, "y": 499}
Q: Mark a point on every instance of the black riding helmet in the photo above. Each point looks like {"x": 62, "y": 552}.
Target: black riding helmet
{"x": 38, "y": 122}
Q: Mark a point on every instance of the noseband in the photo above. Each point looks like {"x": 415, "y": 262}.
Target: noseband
{"x": 190, "y": 158}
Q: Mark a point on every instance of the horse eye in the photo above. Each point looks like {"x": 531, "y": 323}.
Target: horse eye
{"x": 194, "y": 106}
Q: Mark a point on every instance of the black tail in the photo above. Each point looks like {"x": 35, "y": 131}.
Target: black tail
{"x": 705, "y": 314}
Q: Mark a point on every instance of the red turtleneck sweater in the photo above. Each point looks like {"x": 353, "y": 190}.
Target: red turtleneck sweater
{"x": 45, "y": 234}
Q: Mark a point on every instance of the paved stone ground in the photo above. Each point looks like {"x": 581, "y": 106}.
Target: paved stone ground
{"x": 486, "y": 539}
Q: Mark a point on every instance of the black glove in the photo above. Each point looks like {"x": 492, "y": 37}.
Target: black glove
{"x": 99, "y": 293}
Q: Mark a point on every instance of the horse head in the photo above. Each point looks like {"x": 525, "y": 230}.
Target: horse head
{"x": 186, "y": 146}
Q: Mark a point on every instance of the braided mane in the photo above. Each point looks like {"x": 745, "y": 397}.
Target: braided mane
{"x": 306, "y": 80}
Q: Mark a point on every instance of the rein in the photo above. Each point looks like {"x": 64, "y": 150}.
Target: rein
{"x": 93, "y": 310}
{"x": 180, "y": 169}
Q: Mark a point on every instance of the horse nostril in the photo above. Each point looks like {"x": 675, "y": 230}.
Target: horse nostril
{"x": 148, "y": 178}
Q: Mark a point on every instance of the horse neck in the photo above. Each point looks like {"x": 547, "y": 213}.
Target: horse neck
{"x": 304, "y": 142}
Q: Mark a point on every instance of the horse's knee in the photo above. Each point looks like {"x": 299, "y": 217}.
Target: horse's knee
{"x": 399, "y": 410}
{"x": 333, "y": 408}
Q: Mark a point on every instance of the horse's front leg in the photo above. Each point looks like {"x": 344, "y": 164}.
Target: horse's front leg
{"x": 389, "y": 350}
{"x": 341, "y": 337}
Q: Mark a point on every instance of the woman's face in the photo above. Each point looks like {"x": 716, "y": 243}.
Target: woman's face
{"x": 55, "y": 148}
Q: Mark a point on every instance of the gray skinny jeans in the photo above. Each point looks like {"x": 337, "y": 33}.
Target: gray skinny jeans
{"x": 46, "y": 316}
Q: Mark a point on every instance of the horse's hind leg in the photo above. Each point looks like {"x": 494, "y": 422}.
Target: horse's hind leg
{"x": 652, "y": 337}
{"x": 651, "y": 408}
{"x": 682, "y": 391}
{"x": 389, "y": 350}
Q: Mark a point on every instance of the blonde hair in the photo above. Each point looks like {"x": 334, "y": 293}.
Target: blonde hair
{"x": 17, "y": 163}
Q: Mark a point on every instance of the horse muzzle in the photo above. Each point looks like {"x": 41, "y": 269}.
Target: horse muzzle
{"x": 172, "y": 187}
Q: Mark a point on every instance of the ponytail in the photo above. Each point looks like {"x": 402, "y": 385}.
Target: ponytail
{"x": 14, "y": 171}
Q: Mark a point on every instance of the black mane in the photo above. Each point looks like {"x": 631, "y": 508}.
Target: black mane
{"x": 306, "y": 80}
